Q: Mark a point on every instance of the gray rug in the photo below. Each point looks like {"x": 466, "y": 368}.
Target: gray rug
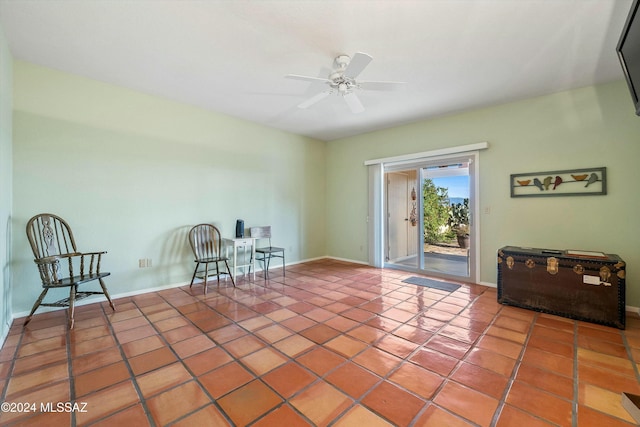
{"x": 429, "y": 283}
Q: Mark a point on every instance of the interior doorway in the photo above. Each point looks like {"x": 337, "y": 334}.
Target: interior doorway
{"x": 428, "y": 223}
{"x": 401, "y": 206}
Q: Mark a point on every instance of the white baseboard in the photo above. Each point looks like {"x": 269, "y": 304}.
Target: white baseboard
{"x": 346, "y": 260}
{"x": 92, "y": 300}
{"x": 95, "y": 299}
{"x": 5, "y": 335}
{"x": 488, "y": 284}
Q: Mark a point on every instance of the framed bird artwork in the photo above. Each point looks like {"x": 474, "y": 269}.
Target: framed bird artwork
{"x": 572, "y": 182}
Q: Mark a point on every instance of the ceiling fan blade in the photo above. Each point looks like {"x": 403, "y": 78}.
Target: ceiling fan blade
{"x": 306, "y": 78}
{"x": 309, "y": 102}
{"x": 381, "y": 85}
{"x": 357, "y": 64}
{"x": 353, "y": 102}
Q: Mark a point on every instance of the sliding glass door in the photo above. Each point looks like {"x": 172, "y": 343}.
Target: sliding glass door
{"x": 429, "y": 217}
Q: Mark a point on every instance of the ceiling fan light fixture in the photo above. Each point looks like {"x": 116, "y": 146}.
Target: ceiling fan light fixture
{"x": 343, "y": 81}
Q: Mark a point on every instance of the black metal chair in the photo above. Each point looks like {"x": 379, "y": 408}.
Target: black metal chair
{"x": 268, "y": 252}
{"x": 206, "y": 244}
{"x": 61, "y": 265}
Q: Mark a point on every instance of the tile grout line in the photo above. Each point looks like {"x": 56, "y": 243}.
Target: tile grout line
{"x": 132, "y": 375}
{"x": 237, "y": 359}
{"x": 369, "y": 345}
{"x": 347, "y": 360}
{"x": 429, "y": 402}
{"x": 181, "y": 360}
{"x": 251, "y": 332}
{"x": 322, "y": 378}
{"x": 357, "y": 401}
{"x": 318, "y": 378}
{"x": 454, "y": 369}
{"x": 576, "y": 391}
{"x": 14, "y": 359}
{"x": 627, "y": 348}
{"x": 300, "y": 290}
{"x": 502, "y": 401}
{"x": 420, "y": 346}
{"x": 72, "y": 379}
{"x": 489, "y": 325}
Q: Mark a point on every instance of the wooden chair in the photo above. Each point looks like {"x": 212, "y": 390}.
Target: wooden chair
{"x": 268, "y": 252}
{"x": 60, "y": 264}
{"x": 206, "y": 245}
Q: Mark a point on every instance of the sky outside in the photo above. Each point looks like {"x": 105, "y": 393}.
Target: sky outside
{"x": 458, "y": 185}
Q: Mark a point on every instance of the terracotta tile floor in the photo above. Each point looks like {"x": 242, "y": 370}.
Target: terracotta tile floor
{"x": 333, "y": 343}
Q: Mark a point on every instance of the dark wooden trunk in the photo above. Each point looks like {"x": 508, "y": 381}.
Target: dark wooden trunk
{"x": 591, "y": 289}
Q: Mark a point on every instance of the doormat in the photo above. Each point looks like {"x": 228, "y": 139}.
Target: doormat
{"x": 435, "y": 284}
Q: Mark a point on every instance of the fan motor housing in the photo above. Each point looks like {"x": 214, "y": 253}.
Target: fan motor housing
{"x": 342, "y": 61}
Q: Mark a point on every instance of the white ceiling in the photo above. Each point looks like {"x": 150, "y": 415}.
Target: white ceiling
{"x": 231, "y": 56}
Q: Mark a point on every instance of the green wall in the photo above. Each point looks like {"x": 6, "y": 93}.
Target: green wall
{"x": 589, "y": 127}
{"x": 132, "y": 173}
{"x": 6, "y": 176}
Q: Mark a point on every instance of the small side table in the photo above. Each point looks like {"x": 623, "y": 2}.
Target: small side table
{"x": 235, "y": 243}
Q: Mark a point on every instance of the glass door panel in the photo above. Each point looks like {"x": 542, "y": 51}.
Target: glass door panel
{"x": 446, "y": 218}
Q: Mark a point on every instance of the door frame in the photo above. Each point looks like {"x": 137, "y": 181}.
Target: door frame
{"x": 377, "y": 169}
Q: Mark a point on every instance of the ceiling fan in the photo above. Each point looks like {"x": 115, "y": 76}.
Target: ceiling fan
{"x": 342, "y": 81}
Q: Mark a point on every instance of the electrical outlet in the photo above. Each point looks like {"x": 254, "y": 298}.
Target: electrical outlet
{"x": 144, "y": 262}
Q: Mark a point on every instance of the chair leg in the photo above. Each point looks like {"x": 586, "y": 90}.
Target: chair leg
{"x": 206, "y": 275}
{"x": 194, "y": 274}
{"x": 282, "y": 264}
{"x": 229, "y": 271}
{"x": 72, "y": 300}
{"x": 35, "y": 306}
{"x": 106, "y": 294}
{"x": 263, "y": 266}
{"x": 268, "y": 264}
{"x": 218, "y": 272}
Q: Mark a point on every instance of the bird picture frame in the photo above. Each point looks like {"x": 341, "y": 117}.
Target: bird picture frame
{"x": 571, "y": 182}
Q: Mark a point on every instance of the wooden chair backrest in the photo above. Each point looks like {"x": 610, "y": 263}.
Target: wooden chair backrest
{"x": 49, "y": 235}
{"x": 205, "y": 241}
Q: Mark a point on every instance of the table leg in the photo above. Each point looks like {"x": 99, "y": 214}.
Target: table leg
{"x": 235, "y": 260}
{"x": 253, "y": 257}
{"x": 244, "y": 260}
